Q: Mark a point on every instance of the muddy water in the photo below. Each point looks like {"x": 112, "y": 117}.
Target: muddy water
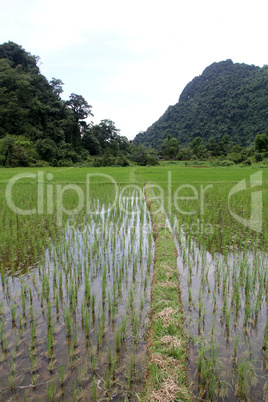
{"x": 89, "y": 298}
{"x": 225, "y": 302}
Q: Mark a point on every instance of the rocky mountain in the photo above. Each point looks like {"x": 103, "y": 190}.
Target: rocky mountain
{"x": 227, "y": 98}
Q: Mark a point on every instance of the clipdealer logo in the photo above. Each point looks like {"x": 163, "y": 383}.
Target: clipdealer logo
{"x": 50, "y": 197}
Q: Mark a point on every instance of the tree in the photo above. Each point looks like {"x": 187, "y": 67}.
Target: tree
{"x": 261, "y": 143}
{"x": 170, "y": 147}
{"x": 79, "y": 106}
{"x": 90, "y": 142}
{"x": 15, "y": 151}
{"x": 107, "y": 134}
{"x": 152, "y": 158}
{"x": 56, "y": 86}
{"x": 15, "y": 96}
{"x": 237, "y": 149}
{"x": 184, "y": 154}
{"x": 47, "y": 149}
{"x": 17, "y": 56}
{"x": 197, "y": 147}
{"x": 139, "y": 155}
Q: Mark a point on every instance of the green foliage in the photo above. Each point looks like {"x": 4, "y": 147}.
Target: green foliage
{"x": 56, "y": 130}
{"x": 139, "y": 155}
{"x": 151, "y": 158}
{"x": 143, "y": 156}
{"x": 18, "y": 57}
{"x": 237, "y": 157}
{"x": 29, "y": 105}
{"x": 16, "y": 151}
{"x": 170, "y": 147}
{"x": 229, "y": 100}
{"x": 90, "y": 142}
{"x": 46, "y": 149}
{"x": 258, "y": 157}
{"x": 261, "y": 143}
{"x": 56, "y": 86}
{"x": 184, "y": 154}
{"x": 199, "y": 151}
{"x": 237, "y": 149}
{"x": 79, "y": 106}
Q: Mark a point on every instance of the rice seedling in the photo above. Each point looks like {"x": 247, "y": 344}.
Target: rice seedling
{"x": 245, "y": 376}
{"x": 62, "y": 373}
{"x": 50, "y": 342}
{"x": 135, "y": 326}
{"x": 51, "y": 391}
{"x": 11, "y": 380}
{"x": 131, "y": 371}
{"x": 48, "y": 314}
{"x": 32, "y": 358}
{"x": 75, "y": 393}
{"x": 68, "y": 321}
{"x": 93, "y": 391}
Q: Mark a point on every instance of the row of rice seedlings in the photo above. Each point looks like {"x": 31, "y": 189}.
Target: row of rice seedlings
{"x": 75, "y": 299}
{"x": 209, "y": 372}
{"x": 237, "y": 292}
{"x": 231, "y": 291}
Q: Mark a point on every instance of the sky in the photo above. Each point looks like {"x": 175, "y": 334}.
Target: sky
{"x": 131, "y": 60}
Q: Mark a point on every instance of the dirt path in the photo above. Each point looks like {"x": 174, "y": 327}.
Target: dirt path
{"x": 167, "y": 343}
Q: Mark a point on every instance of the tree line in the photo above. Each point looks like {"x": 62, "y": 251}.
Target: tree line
{"x": 223, "y": 150}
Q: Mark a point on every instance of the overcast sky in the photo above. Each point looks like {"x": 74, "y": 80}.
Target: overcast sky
{"x": 131, "y": 60}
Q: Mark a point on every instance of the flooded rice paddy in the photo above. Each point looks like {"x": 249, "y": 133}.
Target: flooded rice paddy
{"x": 73, "y": 324}
{"x": 225, "y": 302}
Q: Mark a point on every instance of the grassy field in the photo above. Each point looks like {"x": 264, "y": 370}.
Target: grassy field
{"x": 78, "y": 253}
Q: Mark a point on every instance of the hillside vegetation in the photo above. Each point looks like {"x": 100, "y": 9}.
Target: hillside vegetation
{"x": 38, "y": 128}
{"x": 227, "y": 99}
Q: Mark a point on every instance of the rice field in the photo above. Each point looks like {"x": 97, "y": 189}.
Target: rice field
{"x": 223, "y": 277}
{"x": 76, "y": 276}
{"x": 74, "y": 307}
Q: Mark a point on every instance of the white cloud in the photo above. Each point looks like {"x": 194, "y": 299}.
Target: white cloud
{"x": 131, "y": 60}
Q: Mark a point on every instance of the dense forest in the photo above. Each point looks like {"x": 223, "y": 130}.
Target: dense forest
{"x": 228, "y": 100}
{"x": 38, "y": 128}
